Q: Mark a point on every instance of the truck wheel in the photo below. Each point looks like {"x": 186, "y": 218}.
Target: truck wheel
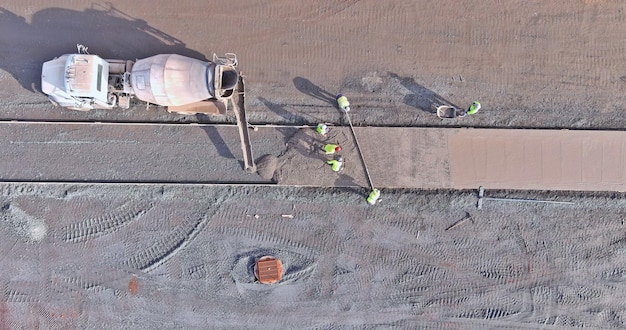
{"x": 112, "y": 99}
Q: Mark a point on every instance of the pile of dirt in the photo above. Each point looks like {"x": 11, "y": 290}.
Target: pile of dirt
{"x": 27, "y": 227}
{"x": 266, "y": 165}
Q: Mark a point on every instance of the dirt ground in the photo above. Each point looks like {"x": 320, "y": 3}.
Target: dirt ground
{"x": 179, "y": 256}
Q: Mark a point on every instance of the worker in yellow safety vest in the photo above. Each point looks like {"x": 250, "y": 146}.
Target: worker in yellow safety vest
{"x": 331, "y": 148}
{"x": 373, "y": 197}
{"x": 336, "y": 164}
{"x": 322, "y": 129}
{"x": 473, "y": 108}
{"x": 343, "y": 103}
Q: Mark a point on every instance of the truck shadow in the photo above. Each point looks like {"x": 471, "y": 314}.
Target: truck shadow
{"x": 420, "y": 97}
{"x": 107, "y": 31}
{"x": 307, "y": 87}
{"x": 218, "y": 142}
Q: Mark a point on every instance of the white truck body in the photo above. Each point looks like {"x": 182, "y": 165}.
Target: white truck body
{"x": 85, "y": 82}
{"x": 77, "y": 81}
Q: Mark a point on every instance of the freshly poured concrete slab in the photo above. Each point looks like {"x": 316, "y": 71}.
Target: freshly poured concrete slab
{"x": 538, "y": 159}
{"x": 406, "y": 157}
{"x": 496, "y": 158}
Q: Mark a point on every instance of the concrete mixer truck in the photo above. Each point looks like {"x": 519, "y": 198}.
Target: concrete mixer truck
{"x": 185, "y": 85}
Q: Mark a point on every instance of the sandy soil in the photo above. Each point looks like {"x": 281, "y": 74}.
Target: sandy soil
{"x": 165, "y": 256}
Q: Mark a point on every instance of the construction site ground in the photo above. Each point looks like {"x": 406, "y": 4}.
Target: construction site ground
{"x": 118, "y": 224}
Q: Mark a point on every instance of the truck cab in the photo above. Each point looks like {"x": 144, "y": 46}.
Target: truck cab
{"x": 78, "y": 82}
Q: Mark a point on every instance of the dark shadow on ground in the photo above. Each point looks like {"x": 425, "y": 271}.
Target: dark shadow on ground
{"x": 307, "y": 87}
{"x": 287, "y": 117}
{"x": 347, "y": 181}
{"x": 53, "y": 32}
{"x": 421, "y": 97}
{"x": 218, "y": 142}
{"x": 308, "y": 145}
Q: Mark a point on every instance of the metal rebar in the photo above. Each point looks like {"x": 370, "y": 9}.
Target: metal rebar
{"x": 525, "y": 200}
{"x": 481, "y": 198}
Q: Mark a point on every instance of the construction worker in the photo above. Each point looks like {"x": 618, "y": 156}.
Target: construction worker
{"x": 343, "y": 103}
{"x": 336, "y": 164}
{"x": 473, "y": 108}
{"x": 322, "y": 129}
{"x": 331, "y": 148}
{"x": 373, "y": 197}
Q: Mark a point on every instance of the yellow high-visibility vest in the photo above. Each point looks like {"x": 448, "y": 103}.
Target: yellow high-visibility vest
{"x": 330, "y": 148}
{"x": 335, "y": 165}
{"x": 343, "y": 103}
{"x": 322, "y": 128}
{"x": 373, "y": 197}
{"x": 473, "y": 108}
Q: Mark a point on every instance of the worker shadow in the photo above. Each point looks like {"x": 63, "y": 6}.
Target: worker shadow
{"x": 307, "y": 87}
{"x": 308, "y": 143}
{"x": 304, "y": 141}
{"x": 218, "y": 142}
{"x": 52, "y": 32}
{"x": 421, "y": 97}
{"x": 287, "y": 116}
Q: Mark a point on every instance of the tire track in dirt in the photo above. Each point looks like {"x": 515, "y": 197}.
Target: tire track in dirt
{"x": 104, "y": 224}
{"x": 512, "y": 263}
{"x": 210, "y": 267}
{"x": 576, "y": 295}
{"x": 504, "y": 273}
{"x": 407, "y": 283}
{"x": 320, "y": 238}
{"x": 263, "y": 224}
{"x": 413, "y": 282}
{"x": 291, "y": 276}
{"x": 448, "y": 298}
{"x": 268, "y": 238}
{"x": 15, "y": 296}
{"x": 614, "y": 275}
{"x": 164, "y": 249}
{"x": 493, "y": 304}
{"x": 403, "y": 251}
{"x": 488, "y": 314}
{"x": 272, "y": 227}
{"x": 229, "y": 213}
{"x": 197, "y": 272}
{"x": 256, "y": 211}
{"x": 426, "y": 285}
{"x": 416, "y": 282}
{"x": 77, "y": 284}
{"x": 559, "y": 303}
{"x": 405, "y": 223}
{"x": 113, "y": 281}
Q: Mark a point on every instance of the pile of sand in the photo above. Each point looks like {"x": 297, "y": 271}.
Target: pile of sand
{"x": 266, "y": 166}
